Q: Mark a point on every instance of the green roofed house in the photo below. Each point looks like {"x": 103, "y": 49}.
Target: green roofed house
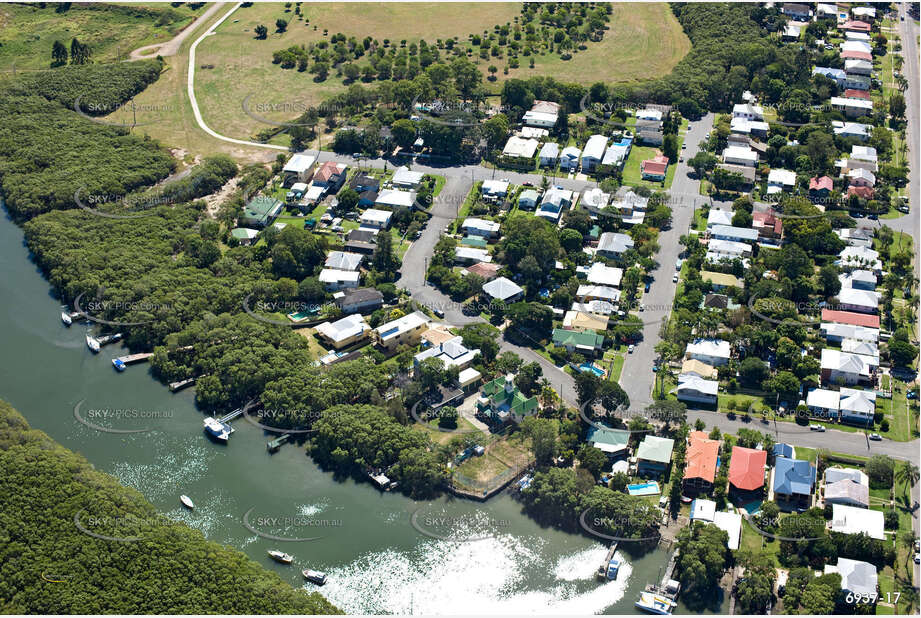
{"x": 244, "y": 236}
{"x": 612, "y": 442}
{"x": 500, "y": 401}
{"x": 260, "y": 211}
{"x": 585, "y": 342}
{"x": 653, "y": 455}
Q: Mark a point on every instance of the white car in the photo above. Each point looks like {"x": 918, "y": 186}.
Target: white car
{"x": 675, "y": 278}
{"x": 631, "y": 348}
{"x": 816, "y": 427}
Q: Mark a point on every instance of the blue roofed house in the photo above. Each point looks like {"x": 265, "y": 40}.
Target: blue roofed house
{"x": 794, "y": 484}
{"x": 783, "y": 450}
{"x": 548, "y": 154}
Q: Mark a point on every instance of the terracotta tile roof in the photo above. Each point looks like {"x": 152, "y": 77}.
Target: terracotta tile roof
{"x": 817, "y": 183}
{"x": 859, "y": 55}
{"x": 850, "y": 317}
{"x": 487, "y": 271}
{"x": 864, "y": 192}
{"x": 701, "y": 457}
{"x": 746, "y": 468}
{"x": 853, "y": 93}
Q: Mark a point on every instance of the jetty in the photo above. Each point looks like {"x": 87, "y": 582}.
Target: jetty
{"x": 231, "y": 416}
{"x": 181, "y": 384}
{"x": 122, "y": 362}
{"x": 602, "y": 572}
{"x": 275, "y": 444}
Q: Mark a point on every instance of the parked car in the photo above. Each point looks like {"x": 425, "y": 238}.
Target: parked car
{"x": 646, "y": 289}
{"x": 439, "y": 313}
{"x": 876, "y": 437}
{"x": 631, "y": 348}
{"x": 678, "y": 263}
{"x": 527, "y": 183}
{"x": 675, "y": 278}
{"x": 816, "y": 427}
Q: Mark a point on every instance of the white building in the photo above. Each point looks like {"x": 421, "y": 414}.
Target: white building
{"x": 604, "y": 275}
{"x": 593, "y": 152}
{"x": 471, "y": 255}
{"x": 473, "y": 226}
{"x": 334, "y": 279}
{"x": 854, "y": 520}
{"x": 520, "y": 148}
{"x": 544, "y": 120}
{"x": 503, "y": 289}
{"x": 863, "y": 301}
{"x": 344, "y": 332}
{"x": 613, "y": 244}
{"x": 404, "y": 177}
{"x": 343, "y": 260}
{"x": 549, "y": 153}
{"x": 714, "y": 352}
{"x": 718, "y": 217}
{"x": 780, "y": 180}
{"x": 452, "y": 353}
{"x": 392, "y": 198}
{"x": 375, "y": 219}
{"x": 740, "y": 155}
{"x": 494, "y": 188}
{"x": 748, "y": 111}
{"x": 692, "y": 387}
{"x": 300, "y": 166}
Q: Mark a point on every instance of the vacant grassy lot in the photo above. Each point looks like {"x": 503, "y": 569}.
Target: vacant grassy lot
{"x": 28, "y": 32}
{"x": 644, "y": 41}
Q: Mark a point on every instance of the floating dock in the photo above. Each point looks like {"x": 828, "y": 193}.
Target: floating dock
{"x": 181, "y": 384}
{"x": 275, "y": 444}
{"x": 122, "y": 362}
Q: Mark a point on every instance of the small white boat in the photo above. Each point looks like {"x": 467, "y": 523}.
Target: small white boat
{"x": 92, "y": 344}
{"x": 280, "y": 556}
{"x": 218, "y": 430}
{"x": 187, "y": 502}
{"x": 65, "y": 317}
{"x": 655, "y": 603}
{"x": 316, "y": 577}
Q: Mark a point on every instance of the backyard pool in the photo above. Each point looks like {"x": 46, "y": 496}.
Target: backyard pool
{"x": 590, "y": 367}
{"x": 643, "y": 489}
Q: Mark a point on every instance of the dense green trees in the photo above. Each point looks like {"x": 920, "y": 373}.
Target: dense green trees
{"x": 702, "y": 559}
{"x": 172, "y": 569}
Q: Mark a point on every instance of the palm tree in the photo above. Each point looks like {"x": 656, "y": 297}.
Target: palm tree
{"x": 908, "y": 473}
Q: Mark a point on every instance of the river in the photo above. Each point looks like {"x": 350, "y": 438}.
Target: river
{"x": 377, "y": 562}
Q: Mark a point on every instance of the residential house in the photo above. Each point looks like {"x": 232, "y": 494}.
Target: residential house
{"x": 826, "y": 11}
{"x": 527, "y": 199}
{"x": 820, "y": 187}
{"x": 855, "y": 346}
{"x": 780, "y": 180}
{"x": 480, "y": 227}
{"x": 855, "y": 66}
{"x": 653, "y": 456}
{"x": 361, "y": 300}
{"x": 768, "y": 225}
{"x": 375, "y": 219}
{"x": 542, "y": 114}
{"x": 737, "y": 234}
{"x": 719, "y": 250}
{"x": 649, "y": 114}
{"x": 612, "y": 442}
{"x": 260, "y": 212}
{"x": 861, "y": 182}
{"x": 406, "y": 330}
{"x": 395, "y": 199}
{"x": 746, "y": 127}
{"x": 587, "y": 342}
{"x": 721, "y": 281}
{"x": 862, "y": 258}
{"x": 783, "y": 450}
{"x": 471, "y": 255}
{"x": 740, "y": 155}
{"x": 855, "y": 25}
{"x": 617, "y": 153}
{"x": 580, "y": 320}
{"x": 718, "y": 302}
{"x": 851, "y": 318}
{"x": 857, "y": 406}
{"x": 554, "y": 201}
{"x": 343, "y": 260}
{"x": 570, "y": 157}
{"x": 654, "y": 169}
{"x": 857, "y": 82}
{"x": 362, "y": 183}
{"x": 746, "y": 472}
{"x": 630, "y": 206}
{"x": 794, "y": 483}
{"x": 797, "y": 11}
{"x": 299, "y": 168}
{"x": 858, "y": 579}
{"x": 700, "y": 464}
{"x": 696, "y": 389}
{"x": 823, "y": 403}
{"x": 855, "y": 520}
{"x": 503, "y": 289}
{"x": 702, "y": 510}
{"x": 334, "y": 279}
{"x": 452, "y": 353}
{"x": 714, "y": 352}
{"x": 595, "y": 199}
{"x": 718, "y": 217}
{"x": 244, "y": 235}
{"x": 494, "y": 189}
{"x": 864, "y": 13}
{"x": 501, "y": 401}
{"x": 600, "y": 307}
{"x": 692, "y": 366}
{"x": 532, "y": 132}
{"x": 330, "y": 176}
{"x": 593, "y": 152}
{"x": 520, "y": 148}
{"x": 838, "y": 75}
{"x": 613, "y": 245}
{"x": 852, "y": 108}
{"x": 844, "y": 368}
{"x": 852, "y": 129}
{"x": 835, "y": 474}
{"x": 847, "y": 492}
{"x": 836, "y": 333}
{"x": 483, "y": 269}
{"x": 600, "y": 274}
{"x": 748, "y": 111}
{"x": 405, "y": 178}
{"x": 357, "y": 246}
{"x": 856, "y": 237}
{"x": 549, "y": 153}
{"x": 863, "y": 301}
{"x": 345, "y": 332}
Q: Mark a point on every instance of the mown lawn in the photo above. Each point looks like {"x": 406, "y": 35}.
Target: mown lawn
{"x": 633, "y": 175}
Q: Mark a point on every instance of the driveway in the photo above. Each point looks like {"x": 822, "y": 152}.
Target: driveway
{"x": 171, "y": 47}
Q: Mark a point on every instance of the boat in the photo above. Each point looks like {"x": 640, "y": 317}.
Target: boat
{"x": 218, "y": 430}
{"x": 65, "y": 317}
{"x": 316, "y": 577}
{"x": 187, "y": 502}
{"x": 280, "y": 556}
{"x": 92, "y": 344}
{"x": 119, "y": 364}
{"x": 613, "y": 569}
{"x": 655, "y": 603}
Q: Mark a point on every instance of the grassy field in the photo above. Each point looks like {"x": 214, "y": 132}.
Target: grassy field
{"x": 28, "y": 32}
{"x": 632, "y": 174}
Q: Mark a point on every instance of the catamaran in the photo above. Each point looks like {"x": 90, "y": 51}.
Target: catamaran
{"x": 218, "y": 430}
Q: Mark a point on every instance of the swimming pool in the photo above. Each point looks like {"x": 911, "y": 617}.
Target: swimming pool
{"x": 643, "y": 489}
{"x": 589, "y": 367}
{"x": 752, "y": 508}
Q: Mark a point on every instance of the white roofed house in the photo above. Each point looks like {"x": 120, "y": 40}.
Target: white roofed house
{"x": 864, "y": 153}
{"x": 494, "y": 188}
{"x": 718, "y": 250}
{"x": 471, "y": 255}
{"x": 857, "y": 406}
{"x": 334, "y": 279}
{"x": 520, "y": 148}
{"x": 570, "y": 157}
{"x": 554, "y": 201}
{"x": 862, "y": 258}
{"x": 718, "y": 217}
{"x": 341, "y": 333}
{"x": 858, "y": 279}
{"x": 503, "y": 289}
{"x": 694, "y": 388}
{"x": 852, "y": 129}
{"x": 588, "y": 293}
{"x": 648, "y": 114}
{"x": 823, "y": 402}
{"x": 613, "y": 245}
{"x": 343, "y": 260}
{"x": 593, "y": 153}
{"x": 845, "y": 368}
{"x": 597, "y": 307}
{"x": 299, "y": 168}
{"x": 748, "y": 111}
{"x": 549, "y": 153}
{"x": 631, "y": 207}
{"x": 714, "y": 352}
{"x": 375, "y": 219}
{"x": 406, "y": 178}
{"x": 858, "y": 579}
{"x": 780, "y": 180}
{"x": 853, "y": 108}
{"x": 527, "y": 199}
{"x": 740, "y": 155}
{"x": 392, "y": 198}
{"x": 856, "y": 237}
{"x": 736, "y": 234}
{"x": 855, "y": 520}
{"x": 856, "y": 346}
{"x": 542, "y": 114}
{"x": 858, "y": 66}
{"x": 452, "y": 353}
{"x": 601, "y": 274}
{"x": 863, "y": 301}
{"x": 406, "y": 330}
{"x": 826, "y": 10}
{"x": 473, "y": 226}
{"x": 595, "y": 199}
{"x": 840, "y": 332}
{"x": 864, "y": 13}
{"x": 615, "y": 155}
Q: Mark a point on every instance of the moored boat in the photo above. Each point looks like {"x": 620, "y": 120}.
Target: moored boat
{"x": 280, "y": 556}
{"x": 119, "y": 364}
{"x": 92, "y": 344}
{"x": 655, "y": 603}
{"x": 65, "y": 317}
{"x": 316, "y": 577}
{"x": 187, "y": 502}
{"x": 218, "y": 430}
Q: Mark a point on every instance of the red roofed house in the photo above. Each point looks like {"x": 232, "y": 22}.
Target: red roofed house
{"x": 864, "y": 192}
{"x": 654, "y": 169}
{"x": 700, "y": 469}
{"x": 330, "y": 175}
{"x": 820, "y": 186}
{"x": 855, "y": 25}
{"x": 850, "y": 317}
{"x": 768, "y": 224}
{"x": 487, "y": 271}
{"x": 853, "y": 93}
{"x": 746, "y": 471}
{"x": 856, "y": 55}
